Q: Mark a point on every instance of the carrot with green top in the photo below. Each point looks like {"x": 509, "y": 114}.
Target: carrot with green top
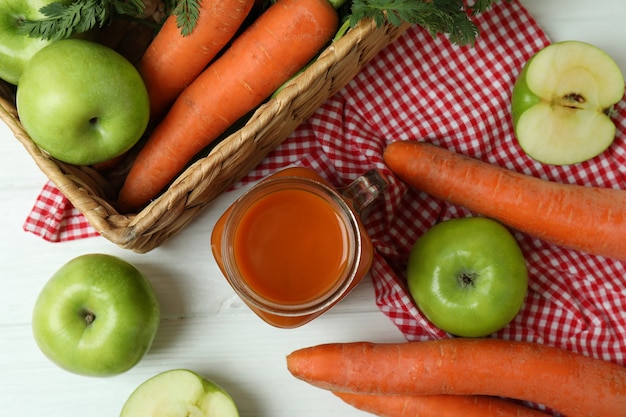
{"x": 588, "y": 219}
{"x": 281, "y": 41}
{"x": 570, "y": 383}
{"x": 437, "y": 405}
{"x": 175, "y": 58}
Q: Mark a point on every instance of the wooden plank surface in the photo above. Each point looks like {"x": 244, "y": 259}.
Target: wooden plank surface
{"x": 205, "y": 327}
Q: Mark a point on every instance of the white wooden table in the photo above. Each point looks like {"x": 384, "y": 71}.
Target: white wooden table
{"x": 204, "y": 326}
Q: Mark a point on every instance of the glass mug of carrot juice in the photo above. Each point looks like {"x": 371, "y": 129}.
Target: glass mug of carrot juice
{"x": 293, "y": 246}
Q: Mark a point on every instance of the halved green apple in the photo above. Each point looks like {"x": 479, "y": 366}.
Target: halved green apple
{"x": 179, "y": 393}
{"x": 562, "y": 103}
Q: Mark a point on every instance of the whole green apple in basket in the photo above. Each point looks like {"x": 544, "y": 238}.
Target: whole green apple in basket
{"x": 468, "y": 276}
{"x": 82, "y": 102}
{"x": 562, "y": 103}
{"x": 96, "y": 316}
{"x": 179, "y": 393}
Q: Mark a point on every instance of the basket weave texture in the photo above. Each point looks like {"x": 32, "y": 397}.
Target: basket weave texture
{"x": 229, "y": 161}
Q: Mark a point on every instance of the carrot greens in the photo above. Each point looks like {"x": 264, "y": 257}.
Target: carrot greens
{"x": 187, "y": 12}
{"x": 62, "y": 19}
{"x": 450, "y": 17}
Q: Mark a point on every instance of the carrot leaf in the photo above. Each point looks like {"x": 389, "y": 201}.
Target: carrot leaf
{"x": 450, "y": 17}
{"x": 187, "y": 12}
{"x": 61, "y": 20}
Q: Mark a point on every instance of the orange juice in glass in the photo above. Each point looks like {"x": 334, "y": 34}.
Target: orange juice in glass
{"x": 293, "y": 246}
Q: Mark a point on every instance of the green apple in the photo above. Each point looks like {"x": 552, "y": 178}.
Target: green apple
{"x": 96, "y": 316}
{"x": 16, "y": 49}
{"x": 562, "y": 103}
{"x": 82, "y": 102}
{"x": 468, "y": 276}
{"x": 179, "y": 393}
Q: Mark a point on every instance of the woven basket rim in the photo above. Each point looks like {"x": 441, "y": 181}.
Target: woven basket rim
{"x": 90, "y": 193}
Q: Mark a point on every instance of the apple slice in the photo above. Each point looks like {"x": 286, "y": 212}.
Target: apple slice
{"x": 562, "y": 103}
{"x": 179, "y": 393}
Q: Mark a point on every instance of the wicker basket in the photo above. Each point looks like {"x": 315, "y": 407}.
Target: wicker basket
{"x": 229, "y": 161}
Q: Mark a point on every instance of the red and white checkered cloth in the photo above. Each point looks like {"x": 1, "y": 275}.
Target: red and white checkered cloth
{"x": 420, "y": 88}
{"x": 55, "y": 219}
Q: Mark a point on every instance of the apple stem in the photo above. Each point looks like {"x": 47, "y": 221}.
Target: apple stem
{"x": 467, "y": 279}
{"x": 88, "y": 316}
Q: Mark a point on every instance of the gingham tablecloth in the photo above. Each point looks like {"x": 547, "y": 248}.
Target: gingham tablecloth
{"x": 420, "y": 88}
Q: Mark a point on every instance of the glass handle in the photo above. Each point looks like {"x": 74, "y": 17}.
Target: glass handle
{"x": 365, "y": 189}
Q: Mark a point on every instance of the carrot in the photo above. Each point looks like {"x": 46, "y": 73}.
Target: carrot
{"x": 437, "y": 405}
{"x": 588, "y": 219}
{"x": 172, "y": 61}
{"x": 564, "y": 381}
{"x": 275, "y": 46}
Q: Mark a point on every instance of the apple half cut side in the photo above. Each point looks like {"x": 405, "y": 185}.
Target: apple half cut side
{"x": 179, "y": 393}
{"x": 562, "y": 103}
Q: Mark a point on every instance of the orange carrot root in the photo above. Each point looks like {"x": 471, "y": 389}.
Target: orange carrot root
{"x": 437, "y": 405}
{"x": 278, "y": 44}
{"x": 573, "y": 384}
{"x": 172, "y": 61}
{"x": 588, "y": 219}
